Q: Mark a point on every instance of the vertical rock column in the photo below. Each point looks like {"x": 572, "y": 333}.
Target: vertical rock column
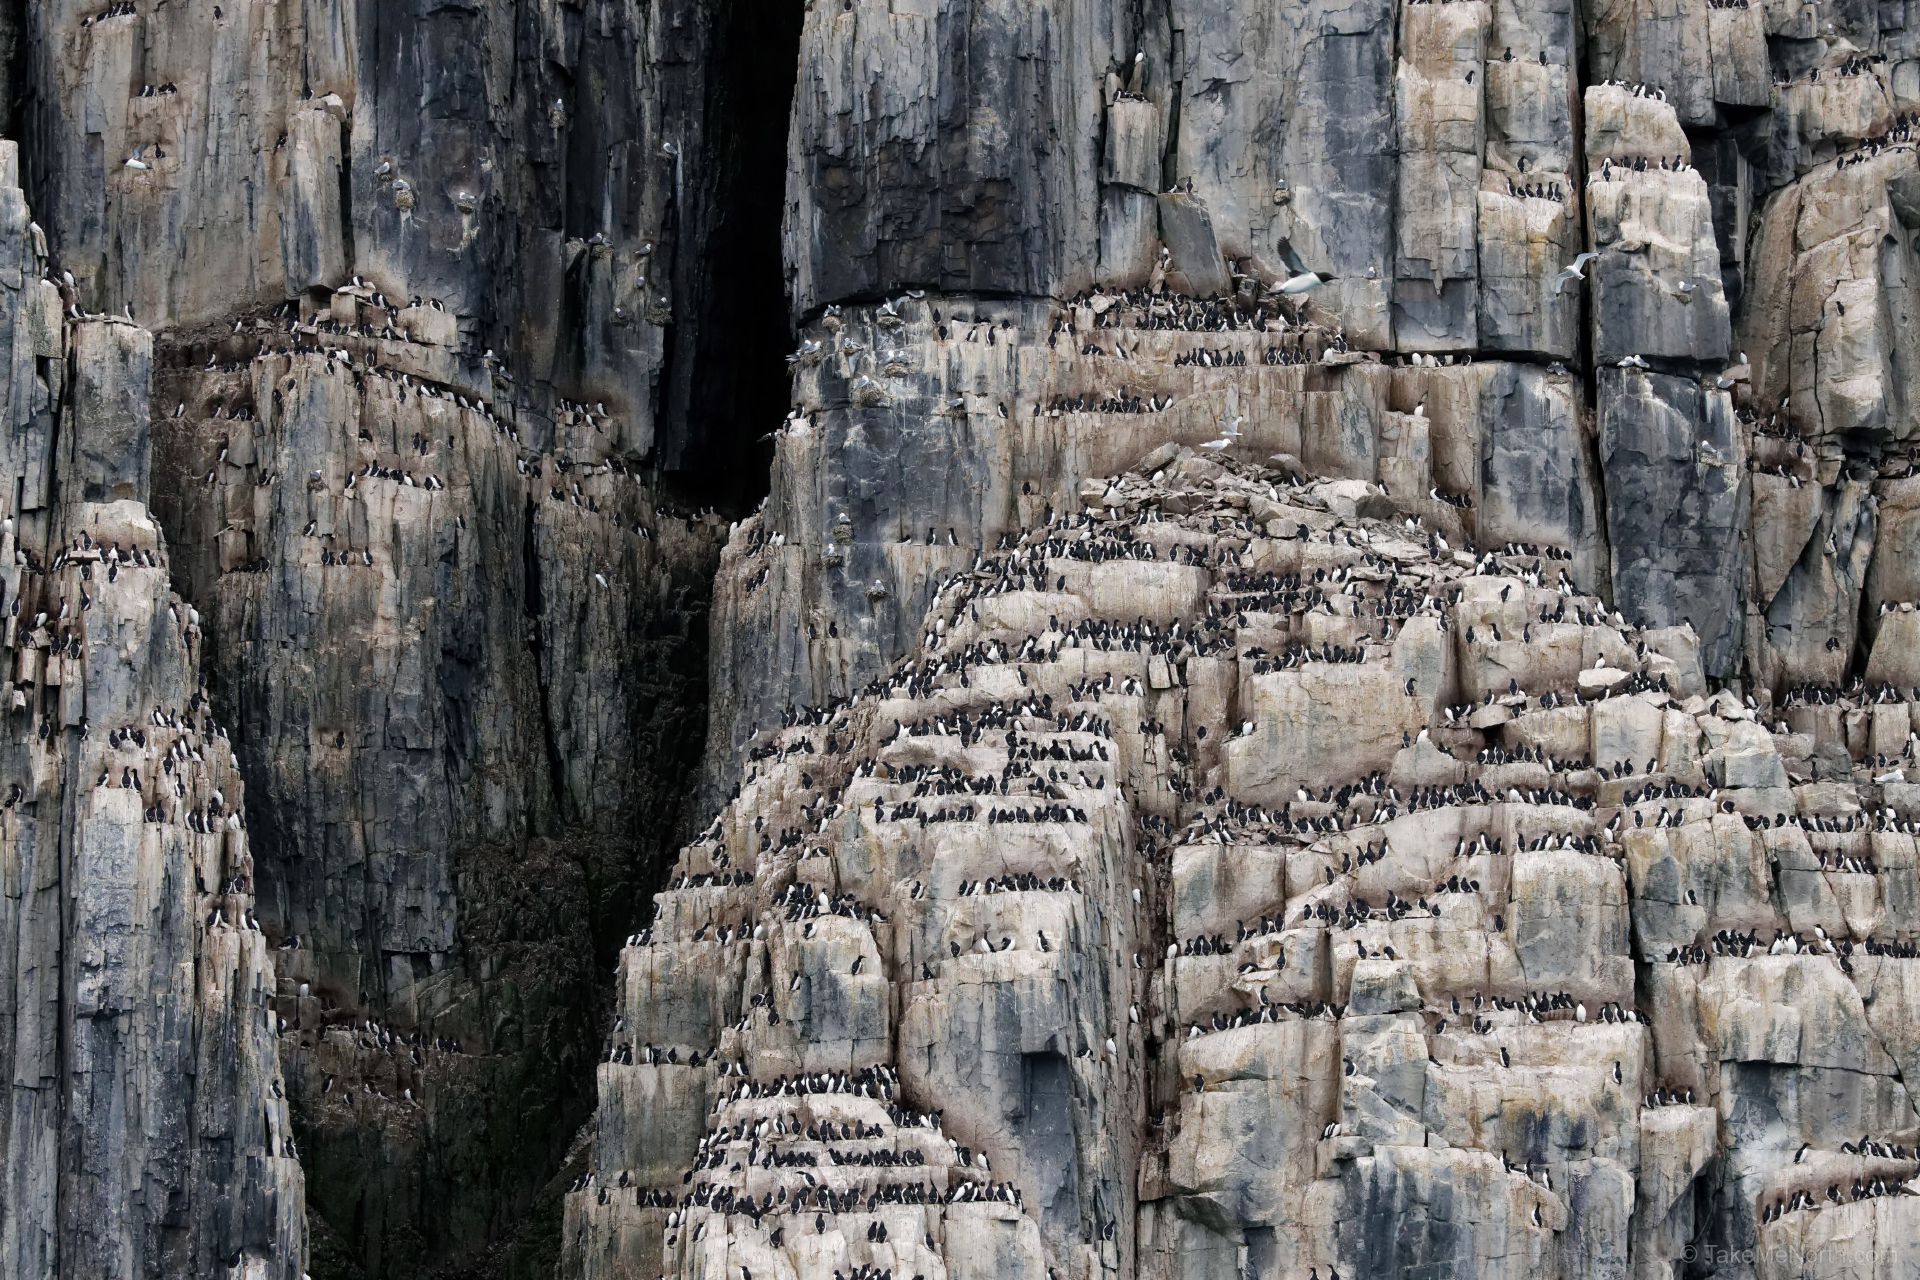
{"x": 1281, "y": 112}
{"x": 950, "y": 146}
{"x": 1672, "y": 454}
{"x": 188, "y": 156}
{"x": 1530, "y": 206}
{"x": 1677, "y": 499}
{"x": 467, "y": 695}
{"x": 146, "y": 1133}
{"x": 1828, "y": 332}
{"x": 1656, "y": 287}
{"x": 1439, "y": 96}
{"x": 449, "y": 623}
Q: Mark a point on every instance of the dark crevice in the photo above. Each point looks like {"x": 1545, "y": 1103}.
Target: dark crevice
{"x": 726, "y": 382}
{"x": 536, "y": 606}
{"x": 346, "y": 192}
{"x": 13, "y": 65}
{"x": 1176, "y": 95}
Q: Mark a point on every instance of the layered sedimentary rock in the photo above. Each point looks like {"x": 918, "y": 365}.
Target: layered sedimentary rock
{"x": 147, "y": 1131}
{"x": 421, "y": 283}
{"x": 410, "y": 339}
{"x": 1239, "y": 877}
{"x": 1407, "y": 774}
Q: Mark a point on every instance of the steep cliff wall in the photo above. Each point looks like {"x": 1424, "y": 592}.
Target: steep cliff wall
{"x": 1400, "y": 776}
{"x": 1262, "y": 726}
{"x": 1238, "y": 879}
{"x": 431, "y": 438}
{"x": 1490, "y": 143}
{"x": 147, "y": 1129}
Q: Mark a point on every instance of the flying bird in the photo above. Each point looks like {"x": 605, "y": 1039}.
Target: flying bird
{"x": 1575, "y": 271}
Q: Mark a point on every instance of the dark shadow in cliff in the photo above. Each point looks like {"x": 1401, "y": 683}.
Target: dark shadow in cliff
{"x": 470, "y": 1185}
{"x": 464, "y": 1179}
{"x": 726, "y": 381}
{"x": 446, "y": 1186}
{"x": 13, "y": 65}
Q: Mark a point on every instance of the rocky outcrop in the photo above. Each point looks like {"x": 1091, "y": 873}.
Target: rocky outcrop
{"x": 549, "y": 179}
{"x": 1448, "y": 466}
{"x": 1234, "y": 858}
{"x": 1676, "y": 481}
{"x": 1488, "y": 98}
{"x": 147, "y": 1131}
{"x": 421, "y": 280}
{"x": 1414, "y": 764}
{"x": 981, "y": 417}
{"x": 451, "y": 643}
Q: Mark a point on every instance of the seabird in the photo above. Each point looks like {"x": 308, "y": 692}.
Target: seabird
{"x": 1575, "y": 271}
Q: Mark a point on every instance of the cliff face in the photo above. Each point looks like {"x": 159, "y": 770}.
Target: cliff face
{"x": 1441, "y": 163}
{"x": 1262, "y": 726}
{"x": 147, "y": 1127}
{"x": 1402, "y": 776}
{"x": 423, "y": 405}
{"x": 1238, "y": 879}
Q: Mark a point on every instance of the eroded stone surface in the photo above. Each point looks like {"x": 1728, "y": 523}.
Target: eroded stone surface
{"x": 148, "y": 1131}
{"x": 1235, "y": 857}
{"x": 439, "y": 307}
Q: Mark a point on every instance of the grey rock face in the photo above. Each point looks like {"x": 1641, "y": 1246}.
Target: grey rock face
{"x": 922, "y": 153}
{"x": 447, "y": 642}
{"x": 1554, "y": 156}
{"x": 421, "y": 283}
{"x": 1657, "y": 290}
{"x": 1263, "y": 725}
{"x": 1672, "y": 455}
{"x": 1607, "y": 1068}
{"x": 147, "y": 1131}
{"x": 1232, "y": 860}
{"x": 1281, "y": 118}
{"x": 531, "y": 194}
{"x": 887, "y": 480}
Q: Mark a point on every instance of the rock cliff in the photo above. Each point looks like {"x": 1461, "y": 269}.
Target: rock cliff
{"x": 1239, "y": 877}
{"x": 1221, "y": 772}
{"x": 415, "y": 287}
{"x": 148, "y": 1123}
{"x": 1306, "y": 668}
